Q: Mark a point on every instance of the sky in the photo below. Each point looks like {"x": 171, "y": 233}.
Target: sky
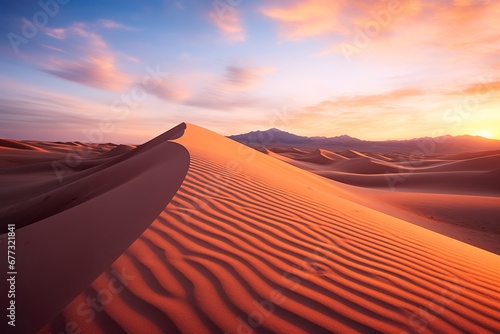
{"x": 127, "y": 71}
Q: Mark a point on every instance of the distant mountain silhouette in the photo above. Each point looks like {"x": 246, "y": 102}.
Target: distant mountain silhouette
{"x": 421, "y": 146}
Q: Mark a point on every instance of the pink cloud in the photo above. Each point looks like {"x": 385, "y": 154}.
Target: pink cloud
{"x": 171, "y": 89}
{"x": 242, "y": 78}
{"x": 228, "y": 22}
{"x": 91, "y": 62}
{"x": 58, "y": 33}
{"x": 300, "y": 19}
{"x": 110, "y": 24}
{"x": 425, "y": 27}
{"x": 221, "y": 92}
{"x": 466, "y": 30}
{"x": 365, "y": 101}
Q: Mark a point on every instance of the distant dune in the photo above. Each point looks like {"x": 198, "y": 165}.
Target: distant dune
{"x": 456, "y": 195}
{"x": 200, "y": 234}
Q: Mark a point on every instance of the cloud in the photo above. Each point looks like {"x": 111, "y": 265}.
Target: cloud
{"x": 232, "y": 90}
{"x": 215, "y": 91}
{"x": 484, "y": 89}
{"x": 41, "y": 114}
{"x": 301, "y": 19}
{"x": 58, "y": 33}
{"x": 431, "y": 34}
{"x": 391, "y": 114}
{"x": 228, "y": 22}
{"x": 224, "y": 103}
{"x": 425, "y": 32}
{"x": 360, "y": 115}
{"x": 241, "y": 78}
{"x": 365, "y": 101}
{"x": 97, "y": 72}
{"x": 399, "y": 100}
{"x": 51, "y": 47}
{"x": 110, "y": 24}
{"x": 89, "y": 60}
{"x": 170, "y": 89}
{"x": 36, "y": 112}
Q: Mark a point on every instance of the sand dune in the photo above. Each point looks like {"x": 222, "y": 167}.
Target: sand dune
{"x": 371, "y": 163}
{"x": 470, "y": 155}
{"x": 119, "y": 150}
{"x": 349, "y": 161}
{"x": 350, "y": 154}
{"x": 251, "y": 244}
{"x": 59, "y": 256}
{"x": 332, "y": 155}
{"x": 469, "y": 218}
{"x": 455, "y": 195}
{"x": 318, "y": 157}
{"x": 39, "y": 192}
{"x": 287, "y": 150}
{"x": 15, "y": 144}
{"x": 471, "y": 183}
{"x": 484, "y": 163}
{"x": 365, "y": 165}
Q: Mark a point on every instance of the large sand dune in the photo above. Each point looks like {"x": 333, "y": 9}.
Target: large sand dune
{"x": 251, "y": 244}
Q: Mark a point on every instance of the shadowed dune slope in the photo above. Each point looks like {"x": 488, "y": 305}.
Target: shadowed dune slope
{"x": 59, "y": 256}
{"x": 250, "y": 244}
{"x": 332, "y": 155}
{"x": 464, "y": 182}
{"x": 15, "y": 144}
{"x": 291, "y": 150}
{"x": 485, "y": 163}
{"x": 38, "y": 190}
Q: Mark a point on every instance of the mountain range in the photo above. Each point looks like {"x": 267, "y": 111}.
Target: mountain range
{"x": 423, "y": 146}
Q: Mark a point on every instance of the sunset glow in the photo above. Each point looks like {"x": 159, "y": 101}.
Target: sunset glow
{"x": 484, "y": 134}
{"x": 370, "y": 69}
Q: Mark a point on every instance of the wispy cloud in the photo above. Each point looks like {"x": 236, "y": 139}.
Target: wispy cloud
{"x": 171, "y": 89}
{"x": 38, "y": 114}
{"x": 485, "y": 87}
{"x": 393, "y": 113}
{"x": 31, "y": 112}
{"x": 88, "y": 59}
{"x": 244, "y": 78}
{"x": 216, "y": 91}
{"x": 365, "y": 101}
{"x": 232, "y": 90}
{"x": 110, "y": 24}
{"x": 306, "y": 18}
{"x": 228, "y": 22}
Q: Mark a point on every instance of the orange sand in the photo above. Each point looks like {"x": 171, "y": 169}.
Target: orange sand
{"x": 248, "y": 244}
